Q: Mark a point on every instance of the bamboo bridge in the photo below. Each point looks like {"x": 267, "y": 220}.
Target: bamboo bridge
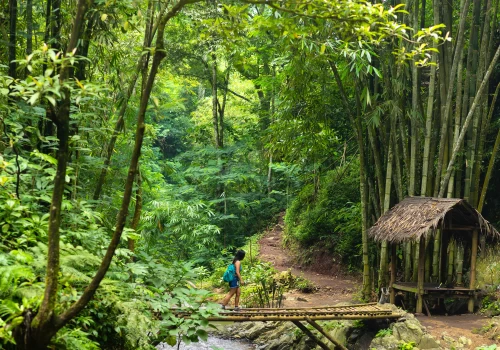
{"x": 308, "y": 314}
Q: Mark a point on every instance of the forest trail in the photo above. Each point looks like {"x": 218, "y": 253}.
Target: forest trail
{"x": 331, "y": 288}
{"x": 336, "y": 287}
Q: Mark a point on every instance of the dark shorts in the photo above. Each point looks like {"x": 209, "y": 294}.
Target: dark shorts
{"x": 235, "y": 283}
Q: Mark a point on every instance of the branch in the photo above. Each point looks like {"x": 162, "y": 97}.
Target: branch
{"x": 238, "y": 95}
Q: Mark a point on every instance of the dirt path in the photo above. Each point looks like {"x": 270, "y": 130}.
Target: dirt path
{"x": 331, "y": 288}
{"x": 455, "y": 327}
{"x": 335, "y": 288}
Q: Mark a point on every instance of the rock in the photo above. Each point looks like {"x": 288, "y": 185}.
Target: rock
{"x": 428, "y": 342}
{"x": 282, "y": 343}
{"x": 357, "y": 333}
{"x": 339, "y": 333}
{"x": 453, "y": 343}
{"x": 389, "y": 342}
{"x": 302, "y": 299}
{"x": 409, "y": 330}
{"x": 465, "y": 341}
{"x": 406, "y": 329}
{"x": 363, "y": 342}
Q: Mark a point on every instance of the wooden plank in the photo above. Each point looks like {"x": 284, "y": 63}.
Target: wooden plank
{"x": 404, "y": 288}
{"x": 312, "y": 307}
{"x": 312, "y": 313}
{"x": 311, "y": 335}
{"x": 326, "y": 335}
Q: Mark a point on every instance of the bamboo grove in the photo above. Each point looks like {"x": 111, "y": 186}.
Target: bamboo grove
{"x": 427, "y": 128}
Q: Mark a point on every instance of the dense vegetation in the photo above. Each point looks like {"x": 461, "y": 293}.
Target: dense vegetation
{"x": 143, "y": 141}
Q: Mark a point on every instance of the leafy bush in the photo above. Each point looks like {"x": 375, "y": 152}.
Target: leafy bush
{"x": 329, "y": 218}
{"x": 406, "y": 345}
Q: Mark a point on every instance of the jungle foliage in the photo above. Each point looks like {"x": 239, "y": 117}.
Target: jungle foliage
{"x": 142, "y": 141}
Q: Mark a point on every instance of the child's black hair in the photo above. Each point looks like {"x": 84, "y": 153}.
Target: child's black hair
{"x": 240, "y": 255}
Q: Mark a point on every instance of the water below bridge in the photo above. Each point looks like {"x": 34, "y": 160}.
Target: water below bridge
{"x": 212, "y": 343}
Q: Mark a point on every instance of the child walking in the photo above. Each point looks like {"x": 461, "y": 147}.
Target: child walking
{"x": 236, "y": 282}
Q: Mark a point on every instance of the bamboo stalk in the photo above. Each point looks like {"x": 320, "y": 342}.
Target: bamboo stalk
{"x": 387, "y": 202}
{"x": 489, "y": 171}
{"x": 325, "y": 334}
{"x": 472, "y": 283}
{"x": 451, "y": 82}
{"x": 428, "y": 127}
{"x": 311, "y": 335}
{"x": 467, "y": 122}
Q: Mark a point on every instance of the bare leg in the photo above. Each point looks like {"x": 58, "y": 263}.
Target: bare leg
{"x": 237, "y": 298}
{"x": 228, "y": 297}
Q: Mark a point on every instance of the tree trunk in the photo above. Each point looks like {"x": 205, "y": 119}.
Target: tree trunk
{"x": 42, "y": 327}
{"x": 12, "y": 38}
{"x": 46, "y": 323}
{"x": 29, "y": 27}
{"x": 138, "y": 209}
{"x": 120, "y": 122}
{"x": 215, "y": 118}
{"x": 357, "y": 125}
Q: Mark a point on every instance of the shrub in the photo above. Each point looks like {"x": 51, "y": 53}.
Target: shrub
{"x": 329, "y": 218}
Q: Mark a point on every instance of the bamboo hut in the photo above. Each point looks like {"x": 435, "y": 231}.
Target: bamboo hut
{"x": 418, "y": 219}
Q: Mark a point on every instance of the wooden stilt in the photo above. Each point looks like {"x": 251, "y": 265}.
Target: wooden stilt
{"x": 420, "y": 275}
{"x": 427, "y": 308}
{"x": 473, "y": 259}
{"x": 311, "y": 335}
{"x": 393, "y": 273}
{"x": 325, "y": 334}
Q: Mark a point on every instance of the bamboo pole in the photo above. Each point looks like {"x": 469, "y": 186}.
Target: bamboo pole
{"x": 460, "y": 264}
{"x": 451, "y": 256}
{"x": 450, "y": 87}
{"x": 300, "y": 318}
{"x": 311, "y": 335}
{"x": 492, "y": 158}
{"x": 382, "y": 280}
{"x": 473, "y": 258}
{"x": 393, "y": 272}
{"x": 420, "y": 280}
{"x": 467, "y": 121}
{"x": 325, "y": 334}
{"x": 435, "y": 256}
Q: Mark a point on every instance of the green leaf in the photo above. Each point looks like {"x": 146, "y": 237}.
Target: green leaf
{"x": 51, "y": 100}
{"x": 34, "y": 98}
{"x": 202, "y": 334}
{"x": 171, "y": 340}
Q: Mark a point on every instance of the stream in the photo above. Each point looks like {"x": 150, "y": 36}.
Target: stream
{"x": 212, "y": 343}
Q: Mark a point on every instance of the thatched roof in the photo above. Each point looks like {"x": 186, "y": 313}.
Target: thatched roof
{"x": 417, "y": 216}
